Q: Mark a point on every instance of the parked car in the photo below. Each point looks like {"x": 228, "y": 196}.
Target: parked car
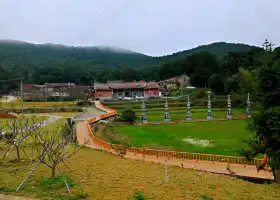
{"x": 139, "y": 98}
{"x": 127, "y": 98}
{"x": 120, "y": 98}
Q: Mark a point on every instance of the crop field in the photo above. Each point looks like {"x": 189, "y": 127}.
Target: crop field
{"x": 177, "y": 109}
{"x": 212, "y": 137}
{"x": 104, "y": 176}
{"x": 17, "y": 104}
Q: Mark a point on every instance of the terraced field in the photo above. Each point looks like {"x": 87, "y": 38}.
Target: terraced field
{"x": 177, "y": 109}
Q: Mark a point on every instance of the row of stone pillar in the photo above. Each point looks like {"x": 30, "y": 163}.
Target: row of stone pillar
{"x": 209, "y": 109}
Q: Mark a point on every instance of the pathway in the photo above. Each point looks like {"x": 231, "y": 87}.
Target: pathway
{"x": 214, "y": 167}
{"x": 90, "y": 113}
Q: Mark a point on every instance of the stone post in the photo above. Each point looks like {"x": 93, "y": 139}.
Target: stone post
{"x": 189, "y": 115}
{"x": 229, "y": 110}
{"x": 166, "y": 113}
{"x": 209, "y": 112}
{"x": 248, "y": 109}
{"x": 144, "y": 113}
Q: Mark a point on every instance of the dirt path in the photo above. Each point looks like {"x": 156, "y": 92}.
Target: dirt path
{"x": 90, "y": 113}
{"x": 214, "y": 167}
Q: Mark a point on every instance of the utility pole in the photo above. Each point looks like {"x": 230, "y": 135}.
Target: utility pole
{"x": 21, "y": 92}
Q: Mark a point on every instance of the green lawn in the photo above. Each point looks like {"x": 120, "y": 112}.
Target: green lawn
{"x": 213, "y": 137}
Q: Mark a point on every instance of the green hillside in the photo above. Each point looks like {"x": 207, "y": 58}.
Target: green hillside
{"x": 85, "y": 65}
{"x": 20, "y": 55}
{"x": 219, "y": 49}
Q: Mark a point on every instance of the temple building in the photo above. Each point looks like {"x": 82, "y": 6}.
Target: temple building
{"x": 120, "y": 90}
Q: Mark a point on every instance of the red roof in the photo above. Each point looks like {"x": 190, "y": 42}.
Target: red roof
{"x": 152, "y": 85}
{"x": 128, "y": 85}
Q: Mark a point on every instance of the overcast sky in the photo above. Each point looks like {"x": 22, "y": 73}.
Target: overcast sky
{"x": 153, "y": 27}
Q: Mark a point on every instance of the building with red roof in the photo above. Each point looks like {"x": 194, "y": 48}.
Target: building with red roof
{"x": 119, "y": 90}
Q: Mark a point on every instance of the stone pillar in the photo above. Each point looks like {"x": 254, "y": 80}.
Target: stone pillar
{"x": 144, "y": 113}
{"x": 166, "y": 113}
{"x": 248, "y": 109}
{"x": 209, "y": 112}
{"x": 229, "y": 110}
{"x": 189, "y": 115}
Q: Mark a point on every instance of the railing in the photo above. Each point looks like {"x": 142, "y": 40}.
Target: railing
{"x": 162, "y": 153}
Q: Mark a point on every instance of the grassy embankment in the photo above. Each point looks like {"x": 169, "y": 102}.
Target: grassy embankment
{"x": 213, "y": 137}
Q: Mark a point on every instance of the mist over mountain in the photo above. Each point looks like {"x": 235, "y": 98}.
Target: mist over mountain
{"x": 40, "y": 63}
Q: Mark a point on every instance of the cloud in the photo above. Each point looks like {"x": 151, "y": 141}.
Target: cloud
{"x": 153, "y": 27}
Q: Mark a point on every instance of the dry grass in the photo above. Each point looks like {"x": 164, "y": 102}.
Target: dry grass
{"x": 17, "y": 104}
{"x": 105, "y": 176}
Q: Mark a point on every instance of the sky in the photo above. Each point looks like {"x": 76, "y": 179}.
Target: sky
{"x": 152, "y": 27}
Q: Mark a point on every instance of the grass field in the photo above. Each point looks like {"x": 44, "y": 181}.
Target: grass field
{"x": 104, "y": 176}
{"x": 213, "y": 137}
{"x": 17, "y": 104}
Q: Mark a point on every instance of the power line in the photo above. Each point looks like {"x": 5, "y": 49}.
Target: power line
{"x": 117, "y": 11}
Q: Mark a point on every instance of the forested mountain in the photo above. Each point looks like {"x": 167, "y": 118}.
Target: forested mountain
{"x": 219, "y": 49}
{"x": 85, "y": 65}
{"x": 17, "y": 54}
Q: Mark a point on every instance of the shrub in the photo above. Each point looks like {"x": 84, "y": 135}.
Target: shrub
{"x": 129, "y": 116}
{"x": 82, "y": 195}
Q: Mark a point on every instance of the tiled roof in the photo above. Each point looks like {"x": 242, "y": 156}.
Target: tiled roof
{"x": 128, "y": 85}
{"x": 59, "y": 84}
{"x": 101, "y": 86}
{"x": 82, "y": 86}
{"x": 152, "y": 85}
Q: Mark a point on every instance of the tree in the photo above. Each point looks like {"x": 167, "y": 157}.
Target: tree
{"x": 266, "y": 122}
{"x": 53, "y": 147}
{"x": 128, "y": 115}
{"x": 216, "y": 83}
{"x": 15, "y": 131}
{"x": 247, "y": 82}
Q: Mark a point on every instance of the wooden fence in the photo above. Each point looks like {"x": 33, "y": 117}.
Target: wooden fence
{"x": 163, "y": 153}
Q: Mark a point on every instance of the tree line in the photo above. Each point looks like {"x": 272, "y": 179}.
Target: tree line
{"x": 86, "y": 65}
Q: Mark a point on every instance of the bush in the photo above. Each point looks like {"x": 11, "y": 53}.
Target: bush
{"x": 84, "y": 103}
{"x": 129, "y": 116}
